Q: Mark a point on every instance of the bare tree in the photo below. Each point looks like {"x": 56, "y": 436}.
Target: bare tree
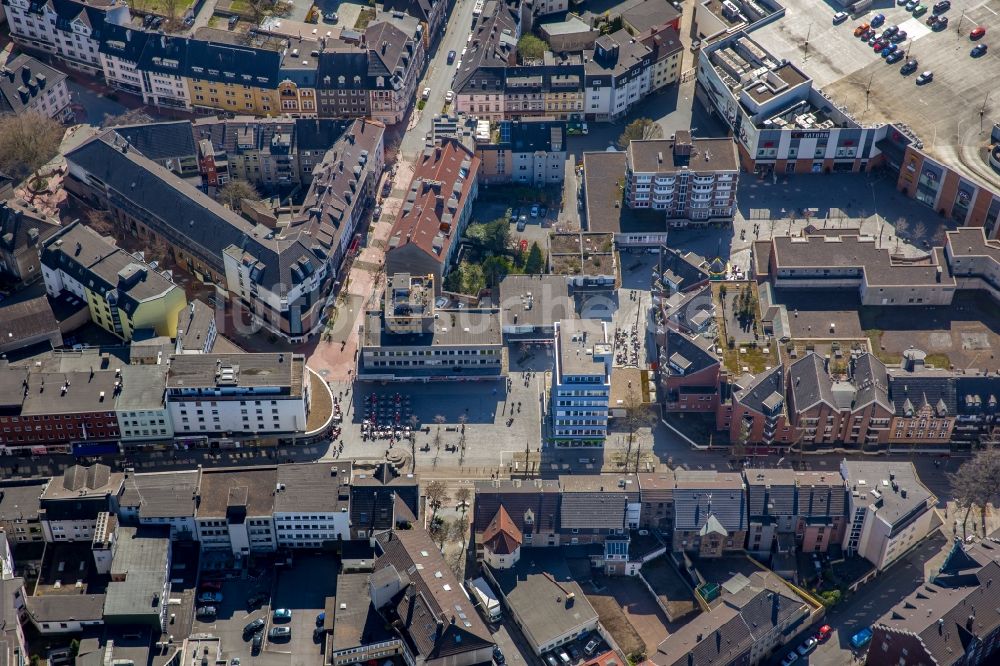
{"x": 638, "y": 416}
{"x": 130, "y": 117}
{"x": 462, "y": 497}
{"x": 27, "y": 142}
{"x": 640, "y": 129}
{"x": 437, "y": 495}
{"x": 170, "y": 9}
{"x": 260, "y": 10}
{"x": 413, "y": 422}
{"x": 235, "y": 191}
{"x": 440, "y": 530}
{"x": 100, "y": 221}
{"x": 919, "y": 231}
{"x": 439, "y": 419}
{"x": 902, "y": 226}
{"x": 977, "y": 483}
{"x": 459, "y": 530}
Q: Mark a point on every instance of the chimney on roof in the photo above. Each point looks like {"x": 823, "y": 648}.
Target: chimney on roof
{"x": 682, "y": 143}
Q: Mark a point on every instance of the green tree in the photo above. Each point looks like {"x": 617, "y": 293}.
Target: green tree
{"x": 495, "y": 269}
{"x": 473, "y": 280}
{"x": 638, "y": 130}
{"x": 235, "y": 191}
{"x": 530, "y": 47}
{"x": 453, "y": 280}
{"x": 492, "y": 237}
{"x": 535, "y": 263}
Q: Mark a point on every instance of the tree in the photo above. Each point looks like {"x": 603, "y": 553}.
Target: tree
{"x": 440, "y": 530}
{"x": 495, "y": 269}
{"x": 530, "y": 47}
{"x": 977, "y": 483}
{"x": 170, "y": 9}
{"x": 437, "y": 495}
{"x": 535, "y": 263}
{"x": 130, "y": 117}
{"x": 413, "y": 422}
{"x": 74, "y": 647}
{"x": 462, "y": 497}
{"x": 638, "y": 416}
{"x": 459, "y": 529}
{"x": 638, "y": 130}
{"x": 437, "y": 435}
{"x": 492, "y": 237}
{"x": 235, "y": 191}
{"x": 259, "y": 10}
{"x": 27, "y": 142}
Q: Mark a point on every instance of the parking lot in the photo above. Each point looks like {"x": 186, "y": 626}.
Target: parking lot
{"x": 945, "y": 114}
{"x": 302, "y": 588}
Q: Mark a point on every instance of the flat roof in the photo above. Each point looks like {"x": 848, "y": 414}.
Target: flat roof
{"x": 850, "y": 251}
{"x": 70, "y": 392}
{"x": 139, "y": 563}
{"x": 79, "y": 481}
{"x": 451, "y": 328}
{"x": 194, "y": 325}
{"x": 670, "y": 156}
{"x": 162, "y": 494}
{"x": 355, "y": 620}
{"x": 578, "y": 342}
{"x": 534, "y": 300}
{"x": 890, "y": 479}
{"x": 537, "y": 588}
{"x": 143, "y": 387}
{"x": 258, "y": 484}
{"x": 323, "y": 487}
{"x": 20, "y": 499}
{"x": 243, "y": 370}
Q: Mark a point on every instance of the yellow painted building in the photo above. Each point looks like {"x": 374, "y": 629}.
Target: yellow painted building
{"x": 239, "y": 98}
{"x": 123, "y": 293}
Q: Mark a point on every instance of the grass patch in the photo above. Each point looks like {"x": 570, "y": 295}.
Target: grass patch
{"x": 875, "y": 337}
{"x": 160, "y": 8}
{"x": 754, "y": 358}
{"x": 366, "y": 16}
{"x": 938, "y": 360}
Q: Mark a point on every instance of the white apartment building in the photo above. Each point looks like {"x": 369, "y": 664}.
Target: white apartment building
{"x": 140, "y": 407}
{"x": 311, "y": 504}
{"x": 690, "y": 180}
{"x": 146, "y": 64}
{"x": 236, "y": 510}
{"x": 618, "y": 74}
{"x": 163, "y": 498}
{"x": 65, "y": 29}
{"x": 581, "y": 383}
{"x": 220, "y": 394}
{"x": 71, "y": 504}
{"x": 29, "y": 85}
{"x": 888, "y": 510}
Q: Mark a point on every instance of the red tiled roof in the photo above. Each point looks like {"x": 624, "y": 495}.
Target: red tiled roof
{"x": 501, "y": 535}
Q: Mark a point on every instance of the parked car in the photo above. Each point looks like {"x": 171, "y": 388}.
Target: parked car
{"x": 909, "y": 67}
{"x": 925, "y": 77}
{"x": 861, "y": 29}
{"x": 894, "y": 57}
{"x": 589, "y": 648}
{"x": 878, "y": 20}
{"x": 254, "y": 626}
{"x": 978, "y": 50}
{"x": 889, "y": 50}
{"x": 898, "y": 37}
{"x": 824, "y": 633}
{"x": 498, "y": 655}
{"x": 891, "y": 30}
{"x": 977, "y": 32}
{"x": 451, "y": 57}
{"x": 574, "y": 653}
{"x": 808, "y": 645}
{"x": 840, "y": 17}
{"x": 879, "y": 46}
{"x": 534, "y": 210}
{"x": 279, "y": 632}
{"x": 425, "y": 94}
{"x": 543, "y": 211}
{"x": 320, "y": 619}
{"x": 211, "y": 586}
{"x": 551, "y": 660}
{"x": 861, "y": 639}
{"x": 331, "y": 17}
{"x": 911, "y": 5}
{"x": 282, "y": 615}
{"x": 919, "y": 10}
{"x": 258, "y": 641}
{"x": 790, "y": 658}
{"x": 206, "y": 611}
{"x": 564, "y": 658}
{"x": 940, "y": 24}
{"x": 942, "y": 7}
{"x": 522, "y": 223}
{"x": 449, "y": 96}
{"x": 210, "y": 597}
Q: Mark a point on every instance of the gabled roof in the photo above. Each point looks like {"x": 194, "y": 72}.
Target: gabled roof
{"x": 766, "y": 392}
{"x": 688, "y": 354}
{"x": 533, "y": 506}
{"x": 23, "y": 80}
{"x": 432, "y": 599}
{"x": 501, "y": 535}
{"x": 160, "y": 141}
{"x": 810, "y": 384}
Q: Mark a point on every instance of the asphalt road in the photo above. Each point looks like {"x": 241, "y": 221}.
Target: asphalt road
{"x": 439, "y": 76}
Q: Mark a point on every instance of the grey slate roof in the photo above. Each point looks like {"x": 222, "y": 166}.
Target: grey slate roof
{"x": 22, "y": 80}
{"x": 161, "y": 141}
{"x": 538, "y": 499}
{"x": 786, "y": 492}
{"x": 322, "y": 487}
{"x": 602, "y": 509}
{"x": 889, "y": 478}
{"x": 809, "y": 382}
{"x": 691, "y": 354}
{"x": 698, "y": 495}
{"x": 766, "y": 392}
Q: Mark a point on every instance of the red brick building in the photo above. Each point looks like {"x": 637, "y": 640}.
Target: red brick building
{"x": 48, "y": 411}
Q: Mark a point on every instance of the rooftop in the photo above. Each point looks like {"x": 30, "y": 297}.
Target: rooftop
{"x": 682, "y": 153}
{"x": 162, "y": 494}
{"x": 24, "y": 80}
{"x": 24, "y": 320}
{"x": 892, "y": 487}
{"x": 195, "y": 324}
{"x": 139, "y": 564}
{"x": 534, "y": 300}
{"x": 582, "y": 346}
{"x": 313, "y": 487}
{"x": 355, "y": 620}
{"x": 544, "y": 593}
{"x": 222, "y": 488}
{"x": 451, "y": 328}
{"x": 249, "y": 370}
{"x": 143, "y": 387}
{"x": 79, "y": 481}
{"x": 20, "y": 499}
